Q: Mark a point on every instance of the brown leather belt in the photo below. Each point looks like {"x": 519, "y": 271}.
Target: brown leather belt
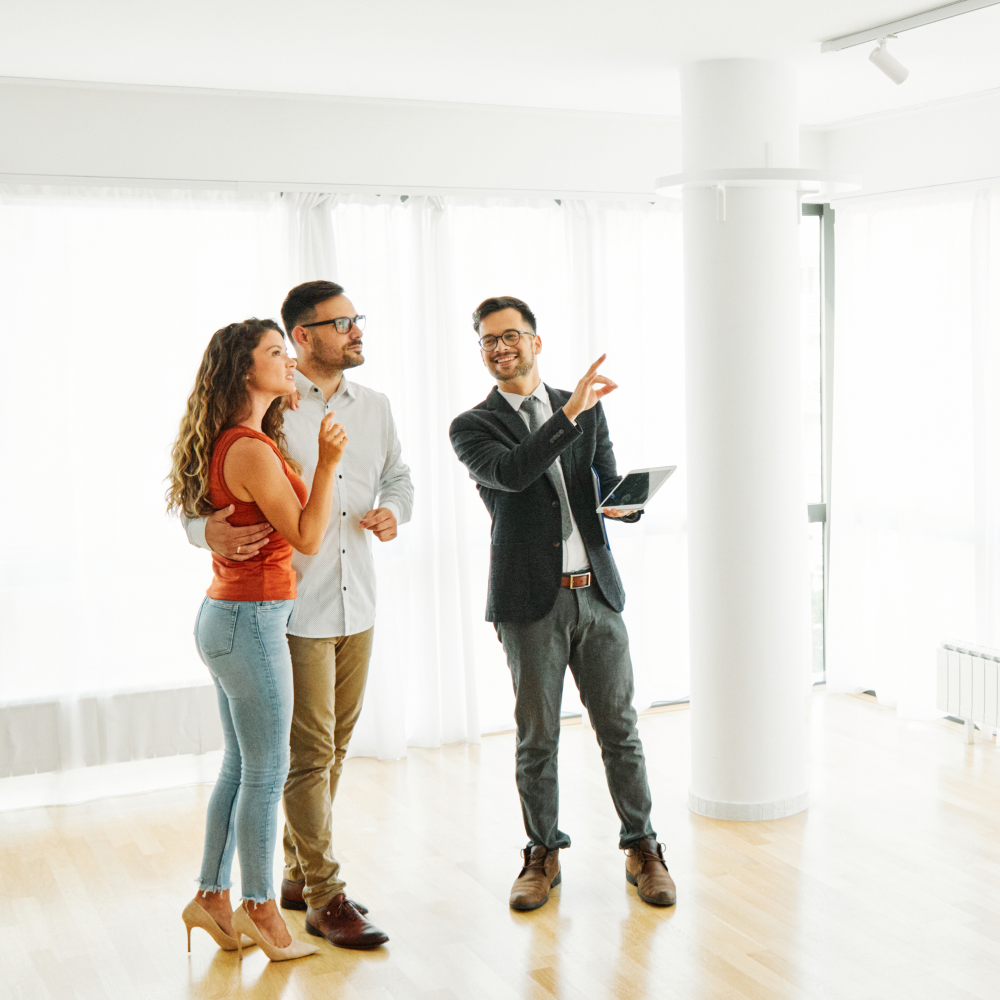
{"x": 577, "y": 582}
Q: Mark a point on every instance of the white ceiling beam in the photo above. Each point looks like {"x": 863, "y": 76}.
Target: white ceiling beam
{"x": 905, "y": 24}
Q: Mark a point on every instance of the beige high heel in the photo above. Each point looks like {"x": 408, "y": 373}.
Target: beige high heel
{"x": 195, "y": 915}
{"x": 242, "y": 924}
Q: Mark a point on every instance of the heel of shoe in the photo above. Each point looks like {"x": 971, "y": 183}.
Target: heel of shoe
{"x": 243, "y": 924}
{"x": 195, "y": 915}
{"x": 630, "y": 878}
{"x": 292, "y": 904}
{"x": 556, "y": 880}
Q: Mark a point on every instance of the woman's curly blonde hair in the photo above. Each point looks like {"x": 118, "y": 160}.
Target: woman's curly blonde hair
{"x": 220, "y": 400}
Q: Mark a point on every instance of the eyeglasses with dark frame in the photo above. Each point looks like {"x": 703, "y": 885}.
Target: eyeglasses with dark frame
{"x": 342, "y": 323}
{"x": 509, "y": 337}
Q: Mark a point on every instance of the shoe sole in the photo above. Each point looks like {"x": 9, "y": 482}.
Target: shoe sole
{"x": 534, "y": 906}
{"x": 353, "y": 947}
{"x": 632, "y": 880}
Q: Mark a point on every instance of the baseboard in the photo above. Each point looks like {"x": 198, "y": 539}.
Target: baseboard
{"x": 748, "y": 811}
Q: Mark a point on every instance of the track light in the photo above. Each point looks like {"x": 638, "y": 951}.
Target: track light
{"x": 888, "y": 63}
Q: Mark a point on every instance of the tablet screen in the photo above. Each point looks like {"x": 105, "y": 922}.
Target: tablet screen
{"x": 636, "y": 488}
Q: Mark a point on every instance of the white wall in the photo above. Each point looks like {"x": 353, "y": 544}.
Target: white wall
{"x": 952, "y": 142}
{"x": 222, "y": 139}
{"x": 168, "y": 134}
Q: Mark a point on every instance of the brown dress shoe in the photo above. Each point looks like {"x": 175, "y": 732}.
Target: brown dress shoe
{"x": 540, "y": 873}
{"x": 341, "y": 924}
{"x": 647, "y": 871}
{"x": 291, "y": 897}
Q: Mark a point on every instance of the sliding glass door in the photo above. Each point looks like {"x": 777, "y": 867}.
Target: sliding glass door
{"x": 815, "y": 325}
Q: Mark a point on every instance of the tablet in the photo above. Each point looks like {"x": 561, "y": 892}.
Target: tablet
{"x": 633, "y": 492}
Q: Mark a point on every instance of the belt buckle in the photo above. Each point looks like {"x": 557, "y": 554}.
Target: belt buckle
{"x": 579, "y": 576}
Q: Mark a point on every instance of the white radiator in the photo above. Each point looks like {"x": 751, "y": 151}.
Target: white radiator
{"x": 37, "y": 737}
{"x": 967, "y": 685}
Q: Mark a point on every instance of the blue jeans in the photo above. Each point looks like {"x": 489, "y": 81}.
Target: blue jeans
{"x": 243, "y": 645}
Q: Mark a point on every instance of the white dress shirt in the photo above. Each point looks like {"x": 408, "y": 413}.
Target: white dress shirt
{"x": 336, "y": 587}
{"x": 575, "y": 558}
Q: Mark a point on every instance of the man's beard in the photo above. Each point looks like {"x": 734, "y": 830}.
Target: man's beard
{"x": 331, "y": 362}
{"x": 524, "y": 368}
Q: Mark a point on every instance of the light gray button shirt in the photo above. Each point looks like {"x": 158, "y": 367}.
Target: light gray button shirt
{"x": 336, "y": 587}
{"x": 575, "y": 557}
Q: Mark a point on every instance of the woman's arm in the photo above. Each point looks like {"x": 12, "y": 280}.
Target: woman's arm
{"x": 253, "y": 473}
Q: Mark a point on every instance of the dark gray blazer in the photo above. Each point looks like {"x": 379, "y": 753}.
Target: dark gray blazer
{"x": 508, "y": 464}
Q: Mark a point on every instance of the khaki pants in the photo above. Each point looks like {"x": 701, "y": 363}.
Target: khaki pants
{"x": 329, "y": 679}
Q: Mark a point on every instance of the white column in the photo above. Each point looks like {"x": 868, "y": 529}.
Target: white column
{"x": 749, "y": 592}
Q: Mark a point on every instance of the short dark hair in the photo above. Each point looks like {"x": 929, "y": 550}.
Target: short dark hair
{"x": 302, "y": 300}
{"x": 495, "y": 305}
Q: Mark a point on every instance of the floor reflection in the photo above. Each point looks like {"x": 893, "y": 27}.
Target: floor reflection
{"x": 541, "y": 958}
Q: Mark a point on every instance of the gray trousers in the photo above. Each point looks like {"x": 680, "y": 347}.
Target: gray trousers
{"x": 580, "y": 631}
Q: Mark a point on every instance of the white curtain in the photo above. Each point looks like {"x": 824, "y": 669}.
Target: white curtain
{"x": 600, "y": 277}
{"x": 915, "y": 504}
{"x": 108, "y": 298}
{"x": 312, "y": 256}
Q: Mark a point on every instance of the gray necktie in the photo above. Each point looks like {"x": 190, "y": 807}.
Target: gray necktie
{"x": 532, "y": 405}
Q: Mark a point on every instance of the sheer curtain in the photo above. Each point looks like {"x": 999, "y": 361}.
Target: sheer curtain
{"x": 600, "y": 277}
{"x": 109, "y": 297}
{"x": 915, "y": 522}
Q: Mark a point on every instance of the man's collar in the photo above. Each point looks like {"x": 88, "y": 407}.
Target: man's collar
{"x": 308, "y": 388}
{"x": 515, "y": 398}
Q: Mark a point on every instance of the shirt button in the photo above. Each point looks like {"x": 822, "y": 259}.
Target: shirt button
{"x": 345, "y": 513}
{"x": 345, "y": 588}
{"x": 344, "y": 551}
{"x": 340, "y": 477}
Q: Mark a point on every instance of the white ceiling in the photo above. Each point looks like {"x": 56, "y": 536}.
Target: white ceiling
{"x": 575, "y": 54}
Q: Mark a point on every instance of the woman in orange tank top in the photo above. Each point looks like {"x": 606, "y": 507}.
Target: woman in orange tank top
{"x": 231, "y": 451}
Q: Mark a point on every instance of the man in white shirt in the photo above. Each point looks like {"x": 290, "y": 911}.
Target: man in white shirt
{"x": 331, "y": 628}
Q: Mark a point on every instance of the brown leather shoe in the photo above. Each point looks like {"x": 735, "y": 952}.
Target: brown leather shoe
{"x": 647, "y": 871}
{"x": 291, "y": 897}
{"x": 540, "y": 873}
{"x": 341, "y": 924}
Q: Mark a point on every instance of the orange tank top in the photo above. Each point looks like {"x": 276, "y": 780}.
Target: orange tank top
{"x": 268, "y": 574}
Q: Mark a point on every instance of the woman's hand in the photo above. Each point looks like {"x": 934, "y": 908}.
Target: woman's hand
{"x": 332, "y": 441}
{"x": 253, "y": 465}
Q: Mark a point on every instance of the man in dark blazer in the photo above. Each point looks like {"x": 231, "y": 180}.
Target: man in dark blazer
{"x": 539, "y": 457}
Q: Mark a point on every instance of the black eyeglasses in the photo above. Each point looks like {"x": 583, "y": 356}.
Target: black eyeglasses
{"x": 509, "y": 337}
{"x": 342, "y": 323}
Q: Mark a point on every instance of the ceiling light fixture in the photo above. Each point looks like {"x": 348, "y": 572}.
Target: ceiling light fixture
{"x": 881, "y": 31}
{"x": 887, "y": 62}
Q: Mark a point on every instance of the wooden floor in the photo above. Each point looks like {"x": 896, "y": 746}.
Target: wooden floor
{"x": 889, "y": 886}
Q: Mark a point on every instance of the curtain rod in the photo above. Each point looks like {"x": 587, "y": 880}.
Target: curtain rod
{"x": 905, "y": 24}
{"x": 384, "y": 190}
